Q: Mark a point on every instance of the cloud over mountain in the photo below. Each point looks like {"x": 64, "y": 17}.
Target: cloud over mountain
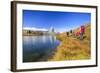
{"x": 34, "y": 29}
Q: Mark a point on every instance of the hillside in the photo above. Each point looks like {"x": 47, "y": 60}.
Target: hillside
{"x": 72, "y": 48}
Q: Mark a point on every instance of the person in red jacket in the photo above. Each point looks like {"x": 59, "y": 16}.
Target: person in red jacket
{"x": 77, "y": 33}
{"x": 82, "y": 31}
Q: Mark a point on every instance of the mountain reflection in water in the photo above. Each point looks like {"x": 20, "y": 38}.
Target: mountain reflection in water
{"x": 38, "y": 48}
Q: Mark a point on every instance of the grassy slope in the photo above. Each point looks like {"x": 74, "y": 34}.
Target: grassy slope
{"x": 71, "y": 48}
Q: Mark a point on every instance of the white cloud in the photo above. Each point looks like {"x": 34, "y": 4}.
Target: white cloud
{"x": 35, "y": 29}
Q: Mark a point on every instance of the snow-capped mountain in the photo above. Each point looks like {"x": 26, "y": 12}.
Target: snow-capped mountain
{"x": 34, "y": 29}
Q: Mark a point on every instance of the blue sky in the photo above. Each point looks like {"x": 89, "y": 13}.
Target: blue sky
{"x": 60, "y": 21}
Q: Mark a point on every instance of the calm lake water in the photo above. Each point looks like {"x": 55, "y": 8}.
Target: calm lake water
{"x": 38, "y": 48}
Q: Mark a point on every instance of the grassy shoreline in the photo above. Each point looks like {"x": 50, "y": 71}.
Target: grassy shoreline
{"x": 72, "y": 48}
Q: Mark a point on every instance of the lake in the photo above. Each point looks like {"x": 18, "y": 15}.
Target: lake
{"x": 39, "y": 48}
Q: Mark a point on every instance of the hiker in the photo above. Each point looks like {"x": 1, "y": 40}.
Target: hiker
{"x": 82, "y": 31}
{"x": 67, "y": 33}
{"x": 71, "y": 32}
{"x": 74, "y": 34}
{"x": 77, "y": 34}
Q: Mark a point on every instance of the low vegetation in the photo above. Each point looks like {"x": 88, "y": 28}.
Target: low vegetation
{"x": 72, "y": 48}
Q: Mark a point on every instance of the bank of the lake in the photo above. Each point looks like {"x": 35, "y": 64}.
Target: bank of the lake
{"x": 72, "y": 48}
{"x": 39, "y": 48}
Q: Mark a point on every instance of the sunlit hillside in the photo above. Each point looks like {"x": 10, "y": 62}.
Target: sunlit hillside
{"x": 72, "y": 48}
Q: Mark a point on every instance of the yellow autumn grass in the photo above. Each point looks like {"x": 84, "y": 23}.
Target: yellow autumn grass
{"x": 72, "y": 49}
